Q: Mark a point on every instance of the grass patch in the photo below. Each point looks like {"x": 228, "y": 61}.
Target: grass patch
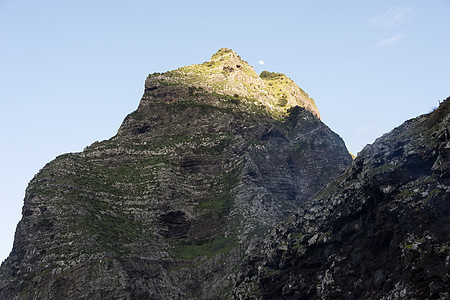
{"x": 406, "y": 193}
{"x": 222, "y": 203}
{"x": 208, "y": 248}
{"x": 271, "y": 75}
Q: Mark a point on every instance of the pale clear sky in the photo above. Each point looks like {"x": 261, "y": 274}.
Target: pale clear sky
{"x": 70, "y": 71}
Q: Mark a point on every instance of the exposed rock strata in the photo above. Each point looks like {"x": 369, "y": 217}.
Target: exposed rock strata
{"x": 165, "y": 209}
{"x": 380, "y": 231}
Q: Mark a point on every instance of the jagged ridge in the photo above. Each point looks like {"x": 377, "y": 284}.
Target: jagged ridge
{"x": 380, "y": 231}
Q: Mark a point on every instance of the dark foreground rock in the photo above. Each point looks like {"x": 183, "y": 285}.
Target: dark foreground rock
{"x": 380, "y": 231}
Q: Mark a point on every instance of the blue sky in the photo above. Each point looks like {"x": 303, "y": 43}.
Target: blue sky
{"x": 70, "y": 71}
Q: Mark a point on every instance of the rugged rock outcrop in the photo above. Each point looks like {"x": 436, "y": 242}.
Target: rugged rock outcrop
{"x": 211, "y": 158}
{"x": 379, "y": 231}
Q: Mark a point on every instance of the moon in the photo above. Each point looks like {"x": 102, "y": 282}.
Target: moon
{"x": 261, "y": 62}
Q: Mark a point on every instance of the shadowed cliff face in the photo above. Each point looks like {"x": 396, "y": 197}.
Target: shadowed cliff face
{"x": 164, "y": 209}
{"x": 380, "y": 231}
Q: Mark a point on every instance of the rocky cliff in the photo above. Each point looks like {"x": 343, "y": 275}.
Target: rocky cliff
{"x": 379, "y": 231}
{"x": 213, "y": 156}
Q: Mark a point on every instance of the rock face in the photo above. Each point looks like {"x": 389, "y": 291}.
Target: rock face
{"x": 379, "y": 231}
{"x": 211, "y": 158}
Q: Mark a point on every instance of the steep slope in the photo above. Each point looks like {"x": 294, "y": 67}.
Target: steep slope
{"x": 164, "y": 209}
{"x": 380, "y": 231}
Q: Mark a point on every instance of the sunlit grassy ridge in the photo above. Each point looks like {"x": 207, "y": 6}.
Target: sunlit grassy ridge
{"x": 226, "y": 73}
{"x": 287, "y": 92}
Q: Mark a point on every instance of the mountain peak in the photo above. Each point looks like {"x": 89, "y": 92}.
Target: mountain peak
{"x": 227, "y": 73}
{"x": 167, "y": 207}
{"x": 224, "y": 54}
